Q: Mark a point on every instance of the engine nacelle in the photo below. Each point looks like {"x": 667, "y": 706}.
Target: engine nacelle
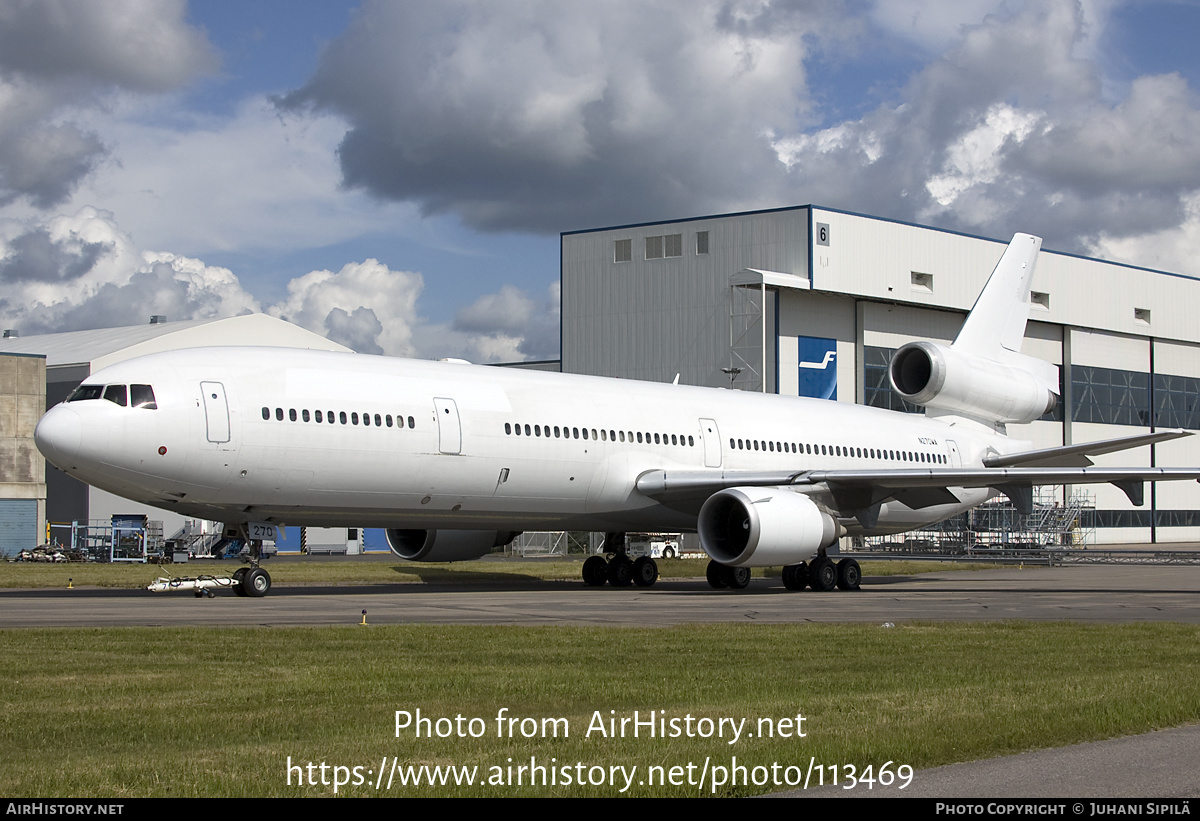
{"x": 936, "y": 376}
{"x": 446, "y": 545}
{"x": 763, "y": 526}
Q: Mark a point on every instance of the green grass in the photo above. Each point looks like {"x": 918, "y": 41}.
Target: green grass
{"x": 217, "y": 712}
{"x": 350, "y": 571}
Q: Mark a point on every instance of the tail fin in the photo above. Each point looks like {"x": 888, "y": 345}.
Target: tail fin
{"x": 997, "y": 320}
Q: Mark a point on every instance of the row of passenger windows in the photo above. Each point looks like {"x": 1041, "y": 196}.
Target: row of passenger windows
{"x": 139, "y": 396}
{"x": 352, "y": 418}
{"x": 556, "y": 432}
{"x": 837, "y": 450}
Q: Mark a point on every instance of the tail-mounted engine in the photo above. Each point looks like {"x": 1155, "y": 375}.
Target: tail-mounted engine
{"x": 446, "y": 545}
{"x": 760, "y": 527}
{"x": 936, "y": 376}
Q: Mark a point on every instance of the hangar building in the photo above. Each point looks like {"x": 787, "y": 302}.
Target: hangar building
{"x": 813, "y": 301}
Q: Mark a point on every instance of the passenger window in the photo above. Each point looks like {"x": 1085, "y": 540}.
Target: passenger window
{"x": 267, "y": 414}
{"x": 304, "y": 415}
{"x": 378, "y": 421}
{"x": 279, "y": 414}
{"x": 411, "y": 422}
{"x": 318, "y": 417}
{"x": 342, "y": 416}
{"x": 116, "y": 394}
{"x": 142, "y": 396}
{"x": 292, "y": 414}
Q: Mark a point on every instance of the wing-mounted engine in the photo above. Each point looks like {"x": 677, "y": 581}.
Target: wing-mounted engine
{"x": 446, "y": 545}
{"x": 947, "y": 379}
{"x": 764, "y": 526}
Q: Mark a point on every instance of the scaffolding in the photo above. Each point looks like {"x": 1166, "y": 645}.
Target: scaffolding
{"x": 1058, "y": 519}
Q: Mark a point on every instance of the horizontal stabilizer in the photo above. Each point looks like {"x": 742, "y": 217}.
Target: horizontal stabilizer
{"x": 1076, "y": 456}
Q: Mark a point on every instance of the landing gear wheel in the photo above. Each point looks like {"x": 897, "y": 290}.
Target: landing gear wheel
{"x": 238, "y": 575}
{"x": 645, "y": 572}
{"x": 822, "y": 575}
{"x": 715, "y": 573}
{"x": 849, "y": 574}
{"x": 595, "y": 571}
{"x": 737, "y": 578}
{"x": 255, "y": 583}
{"x": 795, "y": 576}
{"x": 620, "y": 571}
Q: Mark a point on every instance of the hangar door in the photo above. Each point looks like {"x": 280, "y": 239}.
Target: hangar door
{"x": 18, "y": 526}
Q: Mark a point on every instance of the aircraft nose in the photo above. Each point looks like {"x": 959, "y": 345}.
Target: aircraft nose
{"x": 58, "y": 435}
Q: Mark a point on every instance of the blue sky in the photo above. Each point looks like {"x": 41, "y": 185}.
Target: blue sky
{"x": 395, "y": 175}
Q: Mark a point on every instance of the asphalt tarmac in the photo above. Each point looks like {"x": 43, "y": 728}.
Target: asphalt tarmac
{"x": 1122, "y": 593}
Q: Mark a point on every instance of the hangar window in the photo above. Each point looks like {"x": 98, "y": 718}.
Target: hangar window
{"x": 1039, "y": 300}
{"x": 623, "y": 250}
{"x": 654, "y": 247}
{"x": 673, "y": 245}
{"x": 701, "y": 243}
{"x": 922, "y": 282}
{"x": 1141, "y": 316}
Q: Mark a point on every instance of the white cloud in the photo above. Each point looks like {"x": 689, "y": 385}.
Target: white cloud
{"x": 60, "y": 58}
{"x": 365, "y": 306}
{"x": 83, "y": 271}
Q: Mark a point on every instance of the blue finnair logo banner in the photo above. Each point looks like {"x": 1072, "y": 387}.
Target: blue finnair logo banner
{"x": 818, "y": 367}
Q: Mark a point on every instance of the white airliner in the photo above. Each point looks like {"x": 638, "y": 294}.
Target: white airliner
{"x": 454, "y": 459}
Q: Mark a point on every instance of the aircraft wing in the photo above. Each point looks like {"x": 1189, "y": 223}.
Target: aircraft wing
{"x": 860, "y": 492}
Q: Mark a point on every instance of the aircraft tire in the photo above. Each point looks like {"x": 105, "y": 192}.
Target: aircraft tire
{"x": 256, "y": 583}
{"x": 737, "y": 578}
{"x": 795, "y": 576}
{"x": 715, "y": 573}
{"x": 595, "y": 571}
{"x": 645, "y": 572}
{"x": 849, "y": 574}
{"x": 620, "y": 571}
{"x": 822, "y": 575}
{"x": 238, "y": 575}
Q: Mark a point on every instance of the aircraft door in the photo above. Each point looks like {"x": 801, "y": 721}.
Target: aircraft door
{"x": 449, "y": 426}
{"x": 216, "y": 411}
{"x": 712, "y": 443}
{"x": 955, "y": 456}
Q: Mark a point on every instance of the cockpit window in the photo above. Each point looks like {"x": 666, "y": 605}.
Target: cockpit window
{"x": 142, "y": 396}
{"x": 117, "y": 394}
{"x": 84, "y": 392}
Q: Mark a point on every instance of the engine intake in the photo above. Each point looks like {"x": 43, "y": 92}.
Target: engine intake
{"x": 446, "y": 545}
{"x": 761, "y": 527}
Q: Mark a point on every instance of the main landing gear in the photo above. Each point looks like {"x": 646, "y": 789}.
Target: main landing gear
{"x": 620, "y": 570}
{"x": 822, "y": 574}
